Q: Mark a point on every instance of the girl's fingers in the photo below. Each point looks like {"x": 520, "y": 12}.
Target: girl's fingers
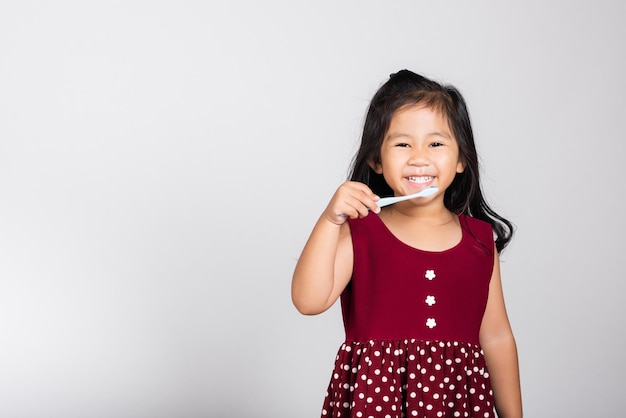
{"x": 357, "y": 209}
{"x": 367, "y": 202}
{"x": 352, "y": 200}
{"x": 361, "y": 192}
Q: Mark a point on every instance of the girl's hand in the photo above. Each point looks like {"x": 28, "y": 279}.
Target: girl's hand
{"x": 351, "y": 200}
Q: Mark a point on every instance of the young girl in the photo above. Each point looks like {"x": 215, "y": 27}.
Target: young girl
{"x": 427, "y": 333}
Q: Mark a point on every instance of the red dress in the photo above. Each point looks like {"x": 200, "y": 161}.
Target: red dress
{"x": 412, "y": 320}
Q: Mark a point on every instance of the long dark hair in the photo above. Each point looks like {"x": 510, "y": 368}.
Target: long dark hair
{"x": 405, "y": 88}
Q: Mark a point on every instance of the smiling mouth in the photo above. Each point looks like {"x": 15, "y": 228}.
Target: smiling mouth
{"x": 420, "y": 180}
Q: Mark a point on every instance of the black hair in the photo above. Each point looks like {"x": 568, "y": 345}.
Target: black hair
{"x": 405, "y": 88}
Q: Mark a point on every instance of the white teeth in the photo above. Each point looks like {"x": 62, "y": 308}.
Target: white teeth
{"x": 420, "y": 179}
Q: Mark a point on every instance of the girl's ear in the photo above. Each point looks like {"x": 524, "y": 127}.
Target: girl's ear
{"x": 460, "y": 166}
{"x": 376, "y": 166}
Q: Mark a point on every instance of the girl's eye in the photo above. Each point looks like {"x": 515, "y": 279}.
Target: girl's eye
{"x": 436, "y": 144}
{"x": 402, "y": 145}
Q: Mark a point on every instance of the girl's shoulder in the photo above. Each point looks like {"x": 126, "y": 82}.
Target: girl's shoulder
{"x": 471, "y": 222}
{"x": 367, "y": 227}
{"x": 480, "y": 230}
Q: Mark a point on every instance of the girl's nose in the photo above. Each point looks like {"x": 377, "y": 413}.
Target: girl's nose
{"x": 418, "y": 158}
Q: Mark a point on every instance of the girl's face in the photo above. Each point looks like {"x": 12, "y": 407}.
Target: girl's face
{"x": 418, "y": 151}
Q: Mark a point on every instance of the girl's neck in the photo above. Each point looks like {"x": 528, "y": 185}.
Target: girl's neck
{"x": 429, "y": 230}
{"x": 434, "y": 217}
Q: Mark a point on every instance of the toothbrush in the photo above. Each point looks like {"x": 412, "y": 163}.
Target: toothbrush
{"x": 385, "y": 201}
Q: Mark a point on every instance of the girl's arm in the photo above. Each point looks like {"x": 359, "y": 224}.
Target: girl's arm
{"x": 498, "y": 344}
{"x": 325, "y": 265}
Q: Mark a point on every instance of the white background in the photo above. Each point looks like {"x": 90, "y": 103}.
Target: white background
{"x": 163, "y": 162}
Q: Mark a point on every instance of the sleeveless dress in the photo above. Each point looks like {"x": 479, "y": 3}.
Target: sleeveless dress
{"x": 412, "y": 320}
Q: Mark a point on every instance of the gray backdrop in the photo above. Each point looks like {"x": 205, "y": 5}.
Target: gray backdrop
{"x": 162, "y": 164}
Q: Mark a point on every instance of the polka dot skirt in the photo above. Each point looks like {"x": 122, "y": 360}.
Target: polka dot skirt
{"x": 409, "y": 378}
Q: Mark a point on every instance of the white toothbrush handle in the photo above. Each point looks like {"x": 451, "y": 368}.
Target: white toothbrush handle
{"x": 385, "y": 201}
